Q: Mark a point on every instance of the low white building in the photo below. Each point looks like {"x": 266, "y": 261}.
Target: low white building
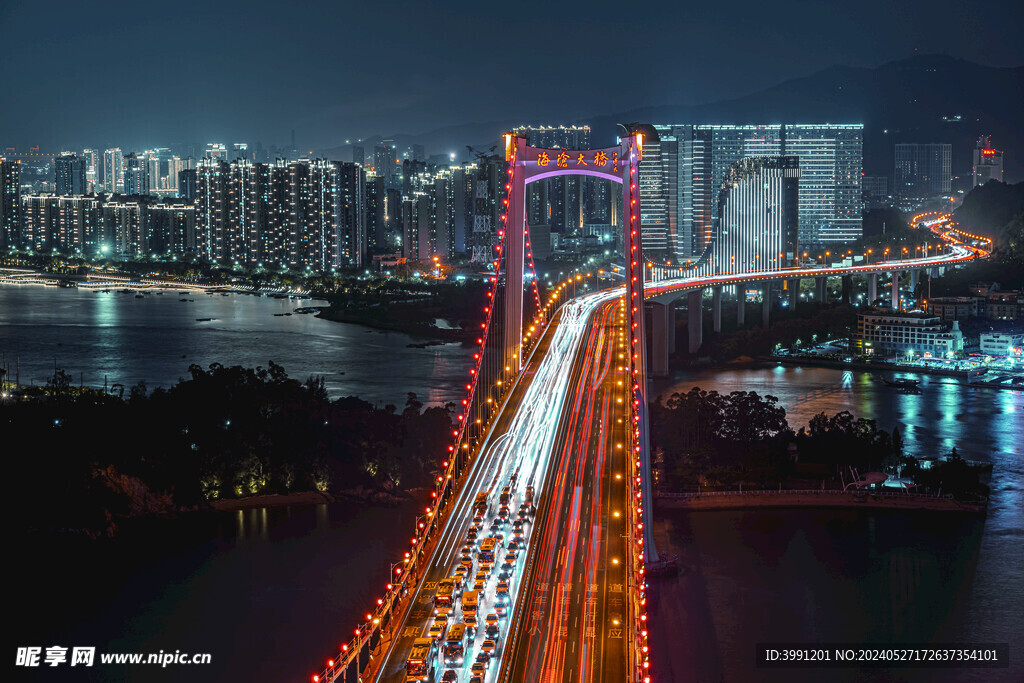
{"x": 912, "y": 334}
{"x": 1001, "y": 344}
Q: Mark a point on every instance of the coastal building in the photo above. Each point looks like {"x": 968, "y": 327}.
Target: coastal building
{"x": 69, "y": 224}
{"x": 1001, "y": 344}
{"x": 907, "y": 334}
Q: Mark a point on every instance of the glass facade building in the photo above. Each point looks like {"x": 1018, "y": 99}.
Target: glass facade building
{"x": 693, "y": 161}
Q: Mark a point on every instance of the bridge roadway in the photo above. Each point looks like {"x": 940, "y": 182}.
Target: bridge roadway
{"x": 571, "y": 624}
{"x": 517, "y": 453}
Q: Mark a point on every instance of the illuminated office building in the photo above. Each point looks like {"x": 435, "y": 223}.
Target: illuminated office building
{"x": 691, "y": 162}
{"x": 758, "y": 215}
{"x": 988, "y": 162}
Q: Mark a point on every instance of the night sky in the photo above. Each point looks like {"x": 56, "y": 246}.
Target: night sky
{"x": 141, "y": 74}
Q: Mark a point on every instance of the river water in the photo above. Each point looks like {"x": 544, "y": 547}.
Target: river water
{"x": 118, "y": 338}
{"x": 270, "y": 593}
{"x": 827, "y": 576}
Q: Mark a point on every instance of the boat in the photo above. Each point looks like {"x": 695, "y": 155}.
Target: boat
{"x": 204, "y": 320}
{"x": 139, "y": 296}
{"x": 902, "y": 383}
{"x": 183, "y": 299}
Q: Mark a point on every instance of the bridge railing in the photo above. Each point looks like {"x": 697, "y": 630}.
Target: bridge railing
{"x": 670, "y": 495}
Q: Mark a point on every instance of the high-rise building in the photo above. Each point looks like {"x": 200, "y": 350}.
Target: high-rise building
{"x": 376, "y": 225}
{"x": 136, "y": 175}
{"x": 211, "y": 200}
{"x": 10, "y": 203}
{"x": 692, "y": 161}
{"x": 61, "y": 223}
{"x": 385, "y": 165}
{"x": 988, "y": 162}
{"x": 353, "y": 245}
{"x": 124, "y": 229}
{"x": 113, "y": 171}
{"x": 169, "y": 229}
{"x": 93, "y": 168}
{"x": 923, "y": 170}
{"x": 302, "y": 214}
{"x": 358, "y": 155}
{"x": 187, "y": 180}
{"x": 216, "y": 150}
{"x": 758, "y": 215}
{"x": 875, "y": 190}
{"x": 70, "y": 175}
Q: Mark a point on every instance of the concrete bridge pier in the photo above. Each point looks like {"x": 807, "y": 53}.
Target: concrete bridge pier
{"x": 847, "y": 287}
{"x": 766, "y": 304}
{"x": 914, "y": 277}
{"x": 895, "y": 290}
{"x": 872, "y": 288}
{"x": 671, "y": 326}
{"x": 741, "y": 306}
{"x": 716, "y": 308}
{"x": 661, "y": 319}
{"x": 695, "y": 324}
{"x": 794, "y": 292}
{"x": 821, "y": 290}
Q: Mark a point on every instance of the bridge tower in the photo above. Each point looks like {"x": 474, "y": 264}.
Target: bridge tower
{"x": 619, "y": 164}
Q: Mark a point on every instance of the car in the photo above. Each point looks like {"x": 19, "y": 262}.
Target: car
{"x": 478, "y": 669}
{"x": 467, "y": 549}
{"x": 479, "y": 584}
{"x": 437, "y": 630}
{"x": 501, "y": 609}
{"x": 491, "y": 618}
{"x": 490, "y": 646}
{"x": 450, "y": 677}
{"x": 472, "y": 534}
{"x": 462, "y": 570}
{"x": 484, "y": 658}
{"x": 491, "y": 631}
{"x": 470, "y": 621}
{"x": 498, "y": 537}
{"x": 524, "y": 512}
{"x": 476, "y": 678}
{"x": 515, "y": 544}
{"x": 506, "y": 573}
{"x": 518, "y": 532}
{"x": 495, "y": 528}
{"x": 510, "y": 557}
{"x": 482, "y": 575}
{"x": 502, "y": 590}
{"x": 467, "y": 562}
{"x": 529, "y": 495}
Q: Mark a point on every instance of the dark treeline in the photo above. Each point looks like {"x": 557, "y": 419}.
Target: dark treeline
{"x": 707, "y": 439}
{"x": 82, "y": 458}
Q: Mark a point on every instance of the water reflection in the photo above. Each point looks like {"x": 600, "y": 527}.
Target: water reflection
{"x": 154, "y": 339}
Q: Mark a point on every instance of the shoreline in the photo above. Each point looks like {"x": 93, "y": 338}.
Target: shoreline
{"x": 730, "y": 500}
{"x": 271, "y": 500}
{"x": 416, "y": 329}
